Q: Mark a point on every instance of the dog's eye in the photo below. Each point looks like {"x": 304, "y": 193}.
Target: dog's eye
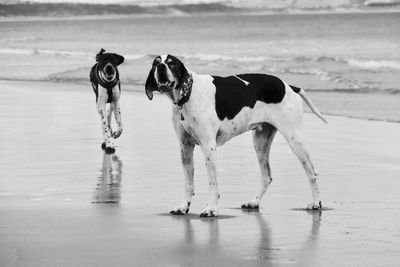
{"x": 171, "y": 63}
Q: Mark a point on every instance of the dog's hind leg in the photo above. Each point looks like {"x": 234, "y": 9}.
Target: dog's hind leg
{"x": 298, "y": 145}
{"x": 262, "y": 140}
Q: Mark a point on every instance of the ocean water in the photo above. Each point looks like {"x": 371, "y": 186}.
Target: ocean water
{"x": 348, "y": 51}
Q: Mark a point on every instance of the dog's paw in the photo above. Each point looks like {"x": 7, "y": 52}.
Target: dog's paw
{"x": 210, "y": 211}
{"x": 314, "y": 206}
{"x": 251, "y": 205}
{"x": 110, "y": 150}
{"x": 181, "y": 209}
{"x": 116, "y": 134}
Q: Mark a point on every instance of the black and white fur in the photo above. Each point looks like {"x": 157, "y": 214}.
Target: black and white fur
{"x": 104, "y": 77}
{"x": 210, "y": 110}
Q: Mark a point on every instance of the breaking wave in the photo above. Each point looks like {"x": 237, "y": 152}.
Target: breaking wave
{"x": 58, "y": 53}
{"x": 20, "y": 39}
{"x": 219, "y": 57}
{"x": 28, "y": 9}
{"x": 362, "y": 64}
{"x": 382, "y": 3}
{"x": 375, "y": 64}
{"x": 43, "y": 52}
{"x": 36, "y": 8}
{"x": 332, "y": 72}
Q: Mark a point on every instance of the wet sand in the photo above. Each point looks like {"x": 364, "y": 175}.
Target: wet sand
{"x": 64, "y": 203}
{"x": 369, "y": 106}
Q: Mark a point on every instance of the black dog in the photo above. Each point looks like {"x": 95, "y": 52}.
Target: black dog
{"x": 104, "y": 77}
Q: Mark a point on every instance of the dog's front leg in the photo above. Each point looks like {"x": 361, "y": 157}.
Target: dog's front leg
{"x": 117, "y": 114}
{"x": 101, "y": 108}
{"x": 187, "y": 149}
{"x": 209, "y": 151}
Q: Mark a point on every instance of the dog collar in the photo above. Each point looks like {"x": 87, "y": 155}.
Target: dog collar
{"x": 185, "y": 91}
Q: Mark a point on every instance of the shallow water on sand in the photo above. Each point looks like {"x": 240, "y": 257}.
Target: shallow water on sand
{"x": 64, "y": 203}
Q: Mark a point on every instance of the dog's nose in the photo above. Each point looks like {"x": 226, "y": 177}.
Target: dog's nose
{"x": 162, "y": 67}
{"x": 162, "y": 73}
{"x": 109, "y": 69}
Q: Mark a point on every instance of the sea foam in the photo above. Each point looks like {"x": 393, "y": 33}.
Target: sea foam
{"x": 375, "y": 64}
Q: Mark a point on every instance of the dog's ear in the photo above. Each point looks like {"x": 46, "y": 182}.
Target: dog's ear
{"x": 99, "y": 54}
{"x": 185, "y": 80}
{"x": 184, "y": 75}
{"x": 120, "y": 59}
{"x": 151, "y": 84}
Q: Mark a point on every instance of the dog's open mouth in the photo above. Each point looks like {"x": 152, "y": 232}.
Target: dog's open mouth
{"x": 109, "y": 76}
{"x": 165, "y": 87}
{"x": 109, "y": 72}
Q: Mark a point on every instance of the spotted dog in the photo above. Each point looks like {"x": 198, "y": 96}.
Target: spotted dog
{"x": 210, "y": 110}
{"x": 104, "y": 77}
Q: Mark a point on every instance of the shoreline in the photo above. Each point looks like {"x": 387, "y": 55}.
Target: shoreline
{"x": 351, "y": 105}
{"x": 182, "y": 14}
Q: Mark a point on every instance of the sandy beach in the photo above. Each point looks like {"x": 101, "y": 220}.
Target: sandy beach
{"x": 64, "y": 203}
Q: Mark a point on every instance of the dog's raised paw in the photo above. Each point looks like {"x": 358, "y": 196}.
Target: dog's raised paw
{"x": 110, "y": 150}
{"x": 314, "y": 206}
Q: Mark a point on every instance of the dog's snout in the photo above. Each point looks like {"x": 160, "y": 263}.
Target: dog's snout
{"x": 109, "y": 70}
{"x": 162, "y": 67}
{"x": 162, "y": 73}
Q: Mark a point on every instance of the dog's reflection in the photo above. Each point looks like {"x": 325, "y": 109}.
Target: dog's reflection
{"x": 267, "y": 250}
{"x": 202, "y": 240}
{"x": 108, "y": 188}
{"x": 307, "y": 255}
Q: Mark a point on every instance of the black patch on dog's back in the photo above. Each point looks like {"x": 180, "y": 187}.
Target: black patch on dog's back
{"x": 232, "y": 94}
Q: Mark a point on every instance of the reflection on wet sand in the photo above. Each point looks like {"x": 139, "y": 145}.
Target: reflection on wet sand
{"x": 108, "y": 189}
{"x": 308, "y": 252}
{"x": 267, "y": 251}
{"x": 202, "y": 242}
{"x": 265, "y": 248}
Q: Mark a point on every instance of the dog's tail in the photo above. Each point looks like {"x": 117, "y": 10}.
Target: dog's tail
{"x": 308, "y": 101}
